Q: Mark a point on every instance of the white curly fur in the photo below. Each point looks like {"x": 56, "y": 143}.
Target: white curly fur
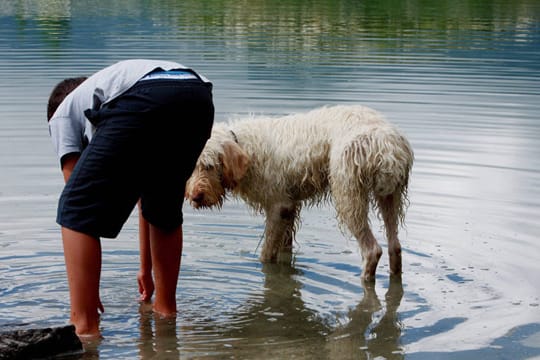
{"x": 348, "y": 155}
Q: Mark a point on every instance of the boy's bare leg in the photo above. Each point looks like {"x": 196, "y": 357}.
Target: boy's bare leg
{"x": 82, "y": 254}
{"x": 166, "y": 250}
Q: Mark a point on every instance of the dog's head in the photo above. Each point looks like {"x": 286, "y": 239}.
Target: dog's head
{"x": 220, "y": 167}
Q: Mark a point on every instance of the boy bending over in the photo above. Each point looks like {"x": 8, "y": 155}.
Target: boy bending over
{"x": 130, "y": 133}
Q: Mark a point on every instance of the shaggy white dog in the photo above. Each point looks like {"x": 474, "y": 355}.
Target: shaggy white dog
{"x": 346, "y": 154}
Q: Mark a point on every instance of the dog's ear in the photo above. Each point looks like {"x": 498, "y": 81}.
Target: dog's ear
{"x": 235, "y": 164}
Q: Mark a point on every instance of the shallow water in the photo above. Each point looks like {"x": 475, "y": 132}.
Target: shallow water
{"x": 461, "y": 79}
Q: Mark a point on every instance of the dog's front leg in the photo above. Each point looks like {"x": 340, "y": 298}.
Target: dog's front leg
{"x": 281, "y": 221}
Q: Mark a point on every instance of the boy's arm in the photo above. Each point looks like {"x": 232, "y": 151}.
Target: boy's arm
{"x": 68, "y": 164}
{"x": 144, "y": 277}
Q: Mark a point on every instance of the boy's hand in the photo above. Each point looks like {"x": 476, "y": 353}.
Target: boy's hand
{"x": 146, "y": 285}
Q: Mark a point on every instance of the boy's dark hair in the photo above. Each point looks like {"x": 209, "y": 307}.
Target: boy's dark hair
{"x": 59, "y": 93}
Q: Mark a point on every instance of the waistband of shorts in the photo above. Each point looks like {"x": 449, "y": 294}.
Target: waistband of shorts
{"x": 178, "y": 74}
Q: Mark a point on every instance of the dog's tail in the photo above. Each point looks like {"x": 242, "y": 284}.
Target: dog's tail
{"x": 383, "y": 160}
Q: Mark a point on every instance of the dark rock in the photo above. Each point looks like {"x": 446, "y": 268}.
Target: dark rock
{"x": 39, "y": 343}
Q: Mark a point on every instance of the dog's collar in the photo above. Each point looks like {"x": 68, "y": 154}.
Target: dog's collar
{"x": 234, "y": 136}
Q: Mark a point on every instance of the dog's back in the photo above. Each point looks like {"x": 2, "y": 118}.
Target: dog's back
{"x": 293, "y": 153}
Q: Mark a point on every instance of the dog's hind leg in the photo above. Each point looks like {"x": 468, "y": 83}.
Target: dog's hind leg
{"x": 371, "y": 253}
{"x": 352, "y": 205}
{"x": 281, "y": 224}
{"x": 371, "y": 250}
{"x": 350, "y": 187}
{"x": 389, "y": 206}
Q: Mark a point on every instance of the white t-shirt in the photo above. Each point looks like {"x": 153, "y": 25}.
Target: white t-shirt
{"x": 70, "y": 130}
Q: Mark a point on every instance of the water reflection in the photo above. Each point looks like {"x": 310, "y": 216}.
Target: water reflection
{"x": 281, "y": 325}
{"x": 302, "y": 30}
{"x": 374, "y": 328}
{"x": 279, "y": 321}
{"x": 158, "y": 336}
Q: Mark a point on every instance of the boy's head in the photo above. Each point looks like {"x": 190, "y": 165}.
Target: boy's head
{"x": 60, "y": 91}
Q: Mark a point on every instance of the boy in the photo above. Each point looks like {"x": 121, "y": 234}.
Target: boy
{"x": 130, "y": 133}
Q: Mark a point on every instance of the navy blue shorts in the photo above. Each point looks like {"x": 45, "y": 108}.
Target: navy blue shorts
{"x": 146, "y": 144}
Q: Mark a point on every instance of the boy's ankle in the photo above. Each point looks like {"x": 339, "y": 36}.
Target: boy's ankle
{"x": 87, "y": 333}
{"x": 86, "y": 329}
{"x": 164, "y": 311}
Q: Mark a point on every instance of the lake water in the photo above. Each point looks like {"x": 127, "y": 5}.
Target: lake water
{"x": 460, "y": 78}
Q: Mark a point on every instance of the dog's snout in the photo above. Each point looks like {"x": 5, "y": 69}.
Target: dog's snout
{"x": 197, "y": 197}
